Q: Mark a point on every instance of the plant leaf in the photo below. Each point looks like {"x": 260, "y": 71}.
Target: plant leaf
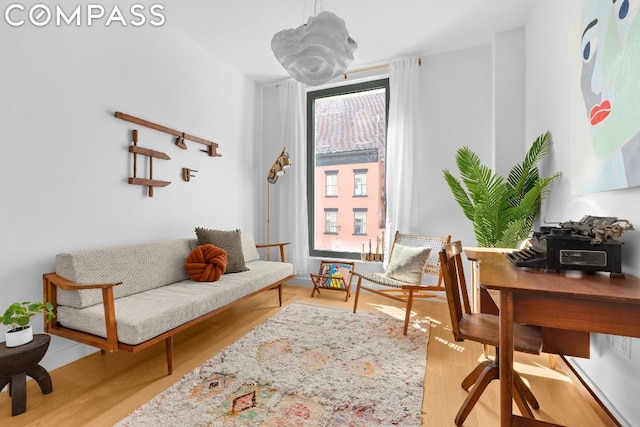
{"x": 502, "y": 212}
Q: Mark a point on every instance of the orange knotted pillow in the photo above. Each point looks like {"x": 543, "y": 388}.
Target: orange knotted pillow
{"x": 206, "y": 263}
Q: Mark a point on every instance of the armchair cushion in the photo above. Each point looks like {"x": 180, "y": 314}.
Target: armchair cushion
{"x": 406, "y": 263}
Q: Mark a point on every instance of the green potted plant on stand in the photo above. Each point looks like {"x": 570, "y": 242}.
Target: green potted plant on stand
{"x": 502, "y": 212}
{"x": 17, "y": 317}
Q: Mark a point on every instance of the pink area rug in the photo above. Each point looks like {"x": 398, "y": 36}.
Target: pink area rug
{"x": 308, "y": 365}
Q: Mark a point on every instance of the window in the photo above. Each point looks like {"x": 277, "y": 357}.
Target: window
{"x": 360, "y": 221}
{"x": 360, "y": 182}
{"x": 331, "y": 221}
{"x": 331, "y": 183}
{"x": 346, "y": 137}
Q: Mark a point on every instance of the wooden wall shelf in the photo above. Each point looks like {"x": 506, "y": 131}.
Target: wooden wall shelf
{"x": 152, "y": 154}
{"x": 211, "y": 149}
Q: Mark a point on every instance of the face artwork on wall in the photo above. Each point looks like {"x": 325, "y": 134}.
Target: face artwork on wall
{"x": 605, "y": 140}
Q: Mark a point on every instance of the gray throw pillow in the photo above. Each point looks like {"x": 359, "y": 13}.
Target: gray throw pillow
{"x": 406, "y": 263}
{"x": 230, "y": 241}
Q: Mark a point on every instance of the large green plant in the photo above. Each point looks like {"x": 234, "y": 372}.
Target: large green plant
{"x": 502, "y": 212}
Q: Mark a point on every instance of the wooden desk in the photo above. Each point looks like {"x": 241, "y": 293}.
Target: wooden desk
{"x": 555, "y": 340}
{"x": 568, "y": 300}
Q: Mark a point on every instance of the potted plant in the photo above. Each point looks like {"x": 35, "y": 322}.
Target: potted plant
{"x": 17, "y": 317}
{"x": 502, "y": 212}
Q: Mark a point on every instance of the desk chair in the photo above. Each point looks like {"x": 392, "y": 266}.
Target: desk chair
{"x": 483, "y": 328}
{"x": 410, "y": 259}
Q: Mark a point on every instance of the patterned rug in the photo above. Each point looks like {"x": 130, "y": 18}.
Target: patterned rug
{"x": 308, "y": 365}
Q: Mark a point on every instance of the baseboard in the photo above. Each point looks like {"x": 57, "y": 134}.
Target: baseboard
{"x": 301, "y": 281}
{"x": 607, "y": 417}
{"x": 63, "y": 351}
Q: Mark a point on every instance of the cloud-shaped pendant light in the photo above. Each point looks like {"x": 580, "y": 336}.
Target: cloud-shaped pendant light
{"x": 316, "y": 52}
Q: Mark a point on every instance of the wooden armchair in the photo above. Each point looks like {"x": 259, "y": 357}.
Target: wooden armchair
{"x": 408, "y": 284}
{"x": 483, "y": 328}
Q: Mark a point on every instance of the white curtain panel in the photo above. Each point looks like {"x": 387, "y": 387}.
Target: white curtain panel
{"x": 291, "y": 212}
{"x": 402, "y": 134}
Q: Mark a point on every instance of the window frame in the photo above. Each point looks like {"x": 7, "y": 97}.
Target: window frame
{"x": 312, "y": 95}
{"x": 364, "y": 211}
{"x": 357, "y": 172}
{"x": 333, "y": 211}
{"x": 327, "y": 174}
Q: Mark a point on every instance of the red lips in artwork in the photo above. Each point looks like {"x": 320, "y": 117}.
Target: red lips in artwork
{"x": 600, "y": 112}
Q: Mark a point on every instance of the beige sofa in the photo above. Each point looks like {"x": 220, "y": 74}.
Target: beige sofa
{"x": 134, "y": 296}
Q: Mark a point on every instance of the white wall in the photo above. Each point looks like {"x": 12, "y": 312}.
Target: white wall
{"x": 456, "y": 103}
{"x": 64, "y": 163}
{"x": 509, "y": 95}
{"x": 547, "y": 95}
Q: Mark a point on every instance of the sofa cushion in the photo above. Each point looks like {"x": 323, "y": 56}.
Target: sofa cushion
{"x": 230, "y": 241}
{"x": 249, "y": 249}
{"x": 139, "y": 267}
{"x": 148, "y": 314}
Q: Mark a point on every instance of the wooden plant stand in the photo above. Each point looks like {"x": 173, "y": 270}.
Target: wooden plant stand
{"x": 18, "y": 362}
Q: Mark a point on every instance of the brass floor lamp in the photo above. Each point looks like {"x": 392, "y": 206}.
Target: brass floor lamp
{"x": 276, "y": 170}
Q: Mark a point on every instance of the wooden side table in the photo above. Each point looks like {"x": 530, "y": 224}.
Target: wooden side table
{"x": 18, "y": 362}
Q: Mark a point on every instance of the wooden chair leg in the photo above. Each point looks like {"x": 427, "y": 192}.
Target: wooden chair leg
{"x": 280, "y": 295}
{"x": 525, "y": 391}
{"x": 553, "y": 361}
{"x": 355, "y": 300}
{"x": 473, "y": 376}
{"x": 169, "y": 347}
{"x": 408, "y": 315}
{"x": 522, "y": 404}
{"x": 480, "y": 377}
{"x": 489, "y": 373}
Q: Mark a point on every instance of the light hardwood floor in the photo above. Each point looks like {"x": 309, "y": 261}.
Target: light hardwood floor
{"x": 99, "y": 390}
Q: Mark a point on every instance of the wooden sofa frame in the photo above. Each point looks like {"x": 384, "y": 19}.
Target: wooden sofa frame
{"x": 52, "y": 282}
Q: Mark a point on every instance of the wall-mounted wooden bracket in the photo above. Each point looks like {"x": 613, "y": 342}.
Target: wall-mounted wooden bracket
{"x": 187, "y": 174}
{"x": 180, "y": 142}
{"x": 211, "y": 149}
{"x": 135, "y": 150}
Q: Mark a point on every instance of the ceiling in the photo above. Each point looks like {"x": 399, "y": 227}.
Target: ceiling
{"x": 240, "y": 32}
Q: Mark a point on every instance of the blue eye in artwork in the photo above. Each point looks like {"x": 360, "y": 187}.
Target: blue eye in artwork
{"x": 586, "y": 51}
{"x": 624, "y": 9}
